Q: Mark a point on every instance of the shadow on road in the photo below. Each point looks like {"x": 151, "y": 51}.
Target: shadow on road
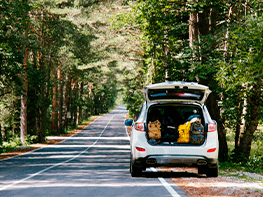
{"x": 160, "y": 174}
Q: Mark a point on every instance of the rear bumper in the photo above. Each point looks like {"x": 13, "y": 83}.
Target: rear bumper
{"x": 174, "y": 161}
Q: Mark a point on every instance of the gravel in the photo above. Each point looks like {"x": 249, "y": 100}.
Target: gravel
{"x": 236, "y": 184}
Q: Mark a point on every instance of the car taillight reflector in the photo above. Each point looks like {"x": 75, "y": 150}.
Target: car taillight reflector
{"x": 211, "y": 127}
{"x": 211, "y": 150}
{"x": 139, "y": 126}
{"x": 140, "y": 149}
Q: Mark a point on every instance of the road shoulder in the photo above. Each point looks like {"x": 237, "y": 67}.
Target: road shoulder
{"x": 25, "y": 149}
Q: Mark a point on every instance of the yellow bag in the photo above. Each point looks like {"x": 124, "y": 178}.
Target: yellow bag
{"x": 183, "y": 130}
{"x": 154, "y": 130}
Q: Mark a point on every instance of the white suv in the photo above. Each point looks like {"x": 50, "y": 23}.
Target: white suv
{"x": 174, "y": 104}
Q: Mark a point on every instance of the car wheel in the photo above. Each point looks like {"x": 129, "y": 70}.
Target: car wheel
{"x": 212, "y": 172}
{"x": 135, "y": 171}
{"x": 202, "y": 169}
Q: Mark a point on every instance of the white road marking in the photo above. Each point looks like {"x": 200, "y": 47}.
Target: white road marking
{"x": 66, "y": 185}
{"x": 88, "y": 146}
{"x": 29, "y": 152}
{"x": 55, "y": 165}
{"x": 164, "y": 183}
{"x": 88, "y": 138}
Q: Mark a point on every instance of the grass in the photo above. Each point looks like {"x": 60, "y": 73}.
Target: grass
{"x": 255, "y": 162}
{"x": 241, "y": 176}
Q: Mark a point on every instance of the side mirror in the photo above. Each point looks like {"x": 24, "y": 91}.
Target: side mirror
{"x": 128, "y": 122}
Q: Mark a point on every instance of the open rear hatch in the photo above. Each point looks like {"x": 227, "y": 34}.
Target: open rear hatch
{"x": 175, "y": 118}
{"x": 174, "y": 91}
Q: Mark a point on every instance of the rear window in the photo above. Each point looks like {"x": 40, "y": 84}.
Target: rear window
{"x": 186, "y": 94}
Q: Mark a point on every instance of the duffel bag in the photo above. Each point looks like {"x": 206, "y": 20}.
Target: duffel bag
{"x": 184, "y": 132}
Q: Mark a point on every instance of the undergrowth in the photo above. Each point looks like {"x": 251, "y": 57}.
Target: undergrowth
{"x": 14, "y": 143}
{"x": 253, "y": 164}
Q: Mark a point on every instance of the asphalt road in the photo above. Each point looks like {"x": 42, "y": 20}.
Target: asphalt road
{"x": 94, "y": 162}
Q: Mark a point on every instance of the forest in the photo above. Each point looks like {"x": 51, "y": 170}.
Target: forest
{"x": 63, "y": 61}
{"x": 56, "y": 67}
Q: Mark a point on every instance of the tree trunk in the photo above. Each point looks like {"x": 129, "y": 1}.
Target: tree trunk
{"x": 193, "y": 29}
{"x": 67, "y": 97}
{"x": 54, "y": 116}
{"x": 252, "y": 119}
{"x": 203, "y": 22}
{"x": 200, "y": 24}
{"x": 213, "y": 19}
{"x": 74, "y": 102}
{"x": 60, "y": 99}
{"x": 1, "y": 138}
{"x": 238, "y": 124}
{"x": 45, "y": 67}
{"x": 81, "y": 91}
{"x": 214, "y": 111}
{"x": 23, "y": 115}
{"x": 23, "y": 121}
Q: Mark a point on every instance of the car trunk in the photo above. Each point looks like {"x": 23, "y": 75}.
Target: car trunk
{"x": 170, "y": 125}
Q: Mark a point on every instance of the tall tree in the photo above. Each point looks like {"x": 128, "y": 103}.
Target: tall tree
{"x": 189, "y": 40}
{"x": 244, "y": 81}
{"x": 207, "y": 70}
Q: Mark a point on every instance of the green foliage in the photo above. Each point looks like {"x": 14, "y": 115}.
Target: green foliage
{"x": 14, "y": 22}
{"x": 255, "y": 161}
{"x": 225, "y": 55}
{"x": 133, "y": 96}
{"x": 252, "y": 165}
{"x": 14, "y": 143}
{"x": 81, "y": 58}
{"x": 245, "y": 45}
{"x": 164, "y": 29}
{"x": 67, "y": 68}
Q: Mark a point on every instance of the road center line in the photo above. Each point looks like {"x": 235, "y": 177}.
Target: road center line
{"x": 55, "y": 165}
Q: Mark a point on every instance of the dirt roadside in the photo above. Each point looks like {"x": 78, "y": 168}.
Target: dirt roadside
{"x": 234, "y": 184}
{"x": 227, "y": 184}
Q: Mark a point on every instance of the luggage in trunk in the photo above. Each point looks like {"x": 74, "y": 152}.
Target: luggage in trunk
{"x": 197, "y": 133}
{"x": 175, "y": 125}
{"x": 184, "y": 132}
{"x": 154, "y": 130}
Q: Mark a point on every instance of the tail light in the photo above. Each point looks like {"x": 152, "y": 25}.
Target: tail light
{"x": 139, "y": 126}
{"x": 211, "y": 150}
{"x": 211, "y": 127}
{"x": 140, "y": 149}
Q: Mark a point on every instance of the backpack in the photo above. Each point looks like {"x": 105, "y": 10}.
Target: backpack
{"x": 197, "y": 133}
{"x": 154, "y": 130}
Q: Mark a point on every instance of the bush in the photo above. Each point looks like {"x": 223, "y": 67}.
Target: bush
{"x": 15, "y": 142}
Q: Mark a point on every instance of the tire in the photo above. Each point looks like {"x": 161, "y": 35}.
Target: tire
{"x": 202, "y": 169}
{"x": 212, "y": 172}
{"x": 135, "y": 171}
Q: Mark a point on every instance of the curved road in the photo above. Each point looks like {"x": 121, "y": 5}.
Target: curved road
{"x": 94, "y": 162}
